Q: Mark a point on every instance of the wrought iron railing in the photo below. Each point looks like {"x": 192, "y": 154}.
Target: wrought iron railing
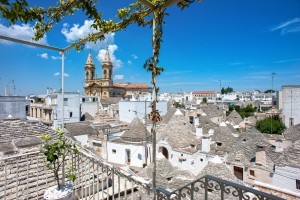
{"x": 26, "y": 177}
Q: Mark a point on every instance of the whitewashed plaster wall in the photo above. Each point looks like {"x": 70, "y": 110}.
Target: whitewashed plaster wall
{"x": 89, "y": 107}
{"x": 285, "y": 178}
{"x": 193, "y": 162}
{"x": 291, "y": 104}
{"x": 128, "y": 110}
{"x": 14, "y": 106}
{"x": 72, "y": 105}
{"x": 119, "y": 157}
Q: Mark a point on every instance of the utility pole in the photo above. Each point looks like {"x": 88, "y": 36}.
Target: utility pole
{"x": 14, "y": 87}
{"x": 220, "y": 83}
{"x": 273, "y": 74}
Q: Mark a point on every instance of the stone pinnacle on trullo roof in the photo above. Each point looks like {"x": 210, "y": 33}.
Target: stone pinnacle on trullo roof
{"x": 107, "y": 57}
{"x": 89, "y": 59}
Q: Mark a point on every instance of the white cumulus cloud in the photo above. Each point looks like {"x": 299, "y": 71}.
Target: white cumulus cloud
{"x": 134, "y": 56}
{"x": 22, "y": 32}
{"x": 75, "y": 32}
{"x": 57, "y": 74}
{"x": 129, "y": 62}
{"x": 56, "y": 57}
{"x": 117, "y": 63}
{"x": 43, "y": 55}
{"x": 119, "y": 77}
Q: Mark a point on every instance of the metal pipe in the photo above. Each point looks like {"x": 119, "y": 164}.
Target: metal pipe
{"x": 30, "y": 43}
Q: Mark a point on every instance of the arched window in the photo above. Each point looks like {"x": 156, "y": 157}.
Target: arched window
{"x": 87, "y": 75}
{"x": 105, "y": 73}
{"x": 92, "y": 75}
{"x": 165, "y": 152}
{"x": 110, "y": 74}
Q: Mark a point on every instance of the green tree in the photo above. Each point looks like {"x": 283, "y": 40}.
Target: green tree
{"x": 244, "y": 112}
{"x": 270, "y": 123}
{"x": 227, "y": 90}
{"x": 222, "y": 91}
{"x": 56, "y": 151}
{"x": 269, "y": 91}
{"x": 204, "y": 100}
{"x": 178, "y": 105}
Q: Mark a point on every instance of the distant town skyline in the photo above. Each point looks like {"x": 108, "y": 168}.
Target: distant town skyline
{"x": 240, "y": 43}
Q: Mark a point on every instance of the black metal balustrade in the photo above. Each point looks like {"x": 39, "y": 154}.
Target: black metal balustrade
{"x": 26, "y": 177}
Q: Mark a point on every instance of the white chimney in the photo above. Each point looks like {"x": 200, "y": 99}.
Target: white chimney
{"x": 199, "y": 131}
{"x": 211, "y": 132}
{"x": 206, "y": 143}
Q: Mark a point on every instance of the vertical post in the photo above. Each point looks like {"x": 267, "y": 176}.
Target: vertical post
{"x": 5, "y": 178}
{"x": 272, "y": 104}
{"x": 62, "y": 87}
{"x": 146, "y": 136}
{"x": 62, "y": 110}
{"x": 153, "y": 109}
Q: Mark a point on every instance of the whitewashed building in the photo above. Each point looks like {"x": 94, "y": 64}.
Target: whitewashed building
{"x": 130, "y": 147}
{"x": 291, "y": 104}
{"x": 128, "y": 110}
{"x": 71, "y": 105}
{"x": 15, "y": 106}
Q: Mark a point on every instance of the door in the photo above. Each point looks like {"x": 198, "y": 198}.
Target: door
{"x": 127, "y": 156}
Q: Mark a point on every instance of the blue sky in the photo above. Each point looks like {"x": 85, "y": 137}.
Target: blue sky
{"x": 238, "y": 42}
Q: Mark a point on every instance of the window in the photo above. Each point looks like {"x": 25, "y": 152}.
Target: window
{"x": 114, "y": 151}
{"x": 191, "y": 119}
{"x": 298, "y": 184}
{"x": 97, "y": 144}
{"x": 71, "y": 114}
{"x": 65, "y": 101}
{"x": 219, "y": 144}
{"x": 201, "y": 159}
{"x": 252, "y": 173}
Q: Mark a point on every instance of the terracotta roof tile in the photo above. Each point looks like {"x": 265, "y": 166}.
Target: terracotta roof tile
{"x": 204, "y": 92}
{"x": 137, "y": 85}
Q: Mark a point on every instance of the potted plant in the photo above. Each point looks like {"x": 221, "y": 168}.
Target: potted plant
{"x": 56, "y": 151}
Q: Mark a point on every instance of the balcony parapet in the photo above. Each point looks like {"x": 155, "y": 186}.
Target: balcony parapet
{"x": 25, "y": 176}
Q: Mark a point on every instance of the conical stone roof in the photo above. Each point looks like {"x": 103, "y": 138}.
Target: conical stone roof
{"x": 136, "y": 130}
{"x": 178, "y": 131}
{"x": 234, "y": 117}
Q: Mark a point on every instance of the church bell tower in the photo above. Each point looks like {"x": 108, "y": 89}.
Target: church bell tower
{"x": 89, "y": 68}
{"x": 107, "y": 68}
